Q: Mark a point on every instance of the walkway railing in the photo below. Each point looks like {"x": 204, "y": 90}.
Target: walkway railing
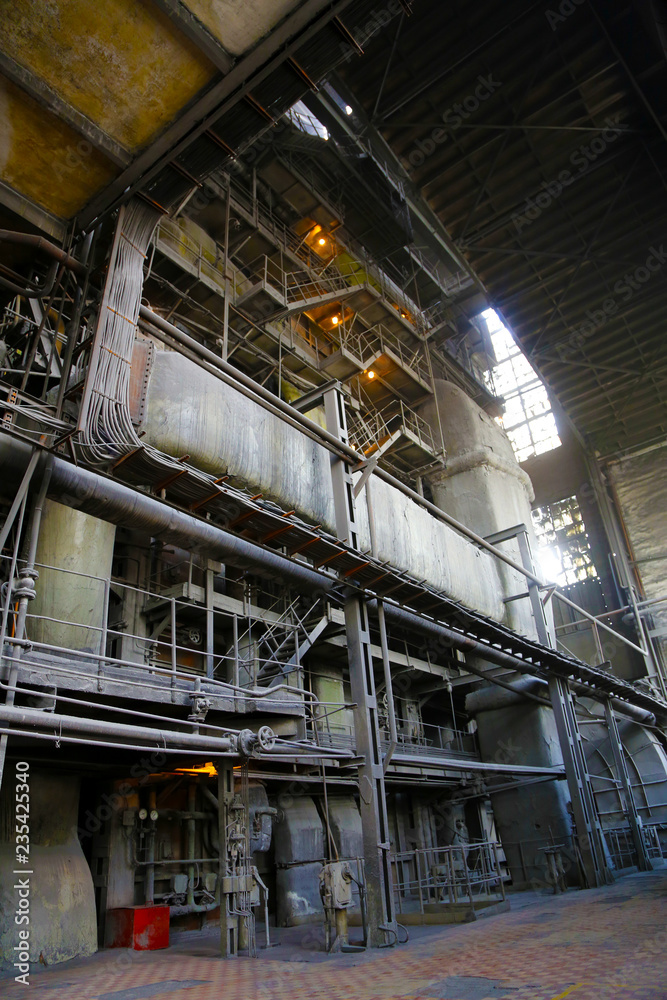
{"x": 415, "y": 739}
{"x": 447, "y": 875}
{"x": 367, "y": 344}
{"x": 371, "y": 430}
{"x": 621, "y": 845}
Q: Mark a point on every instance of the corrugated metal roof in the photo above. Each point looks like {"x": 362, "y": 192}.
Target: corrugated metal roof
{"x": 537, "y": 133}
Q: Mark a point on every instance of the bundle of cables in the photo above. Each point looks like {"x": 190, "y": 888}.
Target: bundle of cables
{"x": 107, "y": 431}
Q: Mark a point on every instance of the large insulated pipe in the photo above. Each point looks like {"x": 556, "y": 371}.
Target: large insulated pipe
{"x": 488, "y": 699}
{"x": 164, "y": 330}
{"x": 119, "y": 504}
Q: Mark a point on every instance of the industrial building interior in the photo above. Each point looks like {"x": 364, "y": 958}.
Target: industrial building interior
{"x": 333, "y": 410}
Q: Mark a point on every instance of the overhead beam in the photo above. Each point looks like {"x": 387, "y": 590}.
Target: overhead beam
{"x": 32, "y": 212}
{"x": 298, "y": 28}
{"x": 449, "y": 67}
{"x": 197, "y": 32}
{"x": 49, "y": 99}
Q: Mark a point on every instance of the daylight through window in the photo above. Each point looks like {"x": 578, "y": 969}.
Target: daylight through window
{"x": 564, "y": 552}
{"x": 528, "y": 420}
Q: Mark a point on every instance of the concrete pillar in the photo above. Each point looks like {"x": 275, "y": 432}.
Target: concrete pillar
{"x": 61, "y": 895}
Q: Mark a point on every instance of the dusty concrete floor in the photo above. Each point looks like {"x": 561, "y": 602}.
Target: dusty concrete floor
{"x": 605, "y": 944}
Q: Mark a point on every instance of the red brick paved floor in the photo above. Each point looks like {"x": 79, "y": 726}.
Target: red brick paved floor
{"x": 605, "y": 944}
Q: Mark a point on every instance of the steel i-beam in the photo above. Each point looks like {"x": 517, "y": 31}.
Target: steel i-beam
{"x": 372, "y": 799}
{"x": 625, "y": 790}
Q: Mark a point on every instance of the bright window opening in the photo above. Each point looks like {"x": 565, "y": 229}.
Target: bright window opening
{"x": 300, "y": 116}
{"x": 528, "y": 420}
{"x": 564, "y": 552}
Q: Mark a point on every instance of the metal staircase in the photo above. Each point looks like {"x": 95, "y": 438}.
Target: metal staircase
{"x": 280, "y": 647}
{"x": 398, "y": 437}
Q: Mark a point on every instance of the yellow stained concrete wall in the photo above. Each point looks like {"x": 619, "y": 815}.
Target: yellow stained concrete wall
{"x": 44, "y": 159}
{"x": 122, "y": 63}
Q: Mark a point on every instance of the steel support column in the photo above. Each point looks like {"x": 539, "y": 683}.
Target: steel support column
{"x": 625, "y": 790}
{"x": 372, "y": 797}
{"x": 591, "y": 843}
{"x": 545, "y": 634}
{"x": 229, "y": 921}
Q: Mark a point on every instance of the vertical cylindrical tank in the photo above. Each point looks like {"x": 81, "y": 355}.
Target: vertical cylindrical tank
{"x": 512, "y": 730}
{"x": 482, "y": 484}
{"x": 74, "y": 556}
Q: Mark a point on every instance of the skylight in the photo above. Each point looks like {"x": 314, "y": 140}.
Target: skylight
{"x": 528, "y": 419}
{"x": 300, "y": 116}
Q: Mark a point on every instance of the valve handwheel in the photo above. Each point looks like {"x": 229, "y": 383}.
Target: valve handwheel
{"x": 266, "y": 738}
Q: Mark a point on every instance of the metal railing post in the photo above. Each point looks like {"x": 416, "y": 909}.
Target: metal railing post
{"x": 103, "y": 636}
{"x": 173, "y": 647}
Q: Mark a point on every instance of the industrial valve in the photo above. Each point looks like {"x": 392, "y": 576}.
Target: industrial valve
{"x": 249, "y": 742}
{"x": 266, "y": 738}
{"x": 200, "y": 707}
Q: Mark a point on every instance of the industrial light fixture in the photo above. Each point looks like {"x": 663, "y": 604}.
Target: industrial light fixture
{"x": 335, "y": 320}
{"x": 371, "y": 373}
{"x": 348, "y": 109}
{"x": 322, "y": 241}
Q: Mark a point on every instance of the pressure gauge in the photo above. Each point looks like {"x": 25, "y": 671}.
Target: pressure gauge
{"x": 143, "y": 813}
{"x": 153, "y": 814}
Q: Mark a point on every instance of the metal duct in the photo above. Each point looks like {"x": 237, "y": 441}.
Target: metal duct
{"x": 112, "y": 501}
{"x": 488, "y": 699}
{"x": 40, "y": 245}
{"x": 454, "y": 639}
{"x": 526, "y": 687}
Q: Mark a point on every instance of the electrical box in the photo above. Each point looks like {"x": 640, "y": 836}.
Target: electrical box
{"x": 180, "y": 884}
{"x": 336, "y": 885}
{"x": 237, "y": 883}
{"x": 210, "y": 881}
